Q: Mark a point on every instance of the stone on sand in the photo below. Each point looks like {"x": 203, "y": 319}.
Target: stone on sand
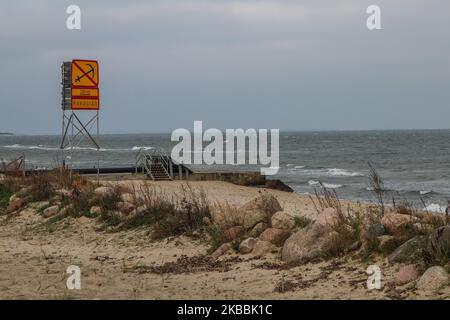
{"x": 261, "y": 248}
{"x": 275, "y": 236}
{"x": 103, "y": 191}
{"x": 433, "y": 279}
{"x": 406, "y": 274}
{"x": 410, "y": 251}
{"x": 224, "y": 248}
{"x": 394, "y": 221}
{"x": 247, "y": 245}
{"x": 305, "y": 244}
{"x": 50, "y": 211}
{"x": 282, "y": 220}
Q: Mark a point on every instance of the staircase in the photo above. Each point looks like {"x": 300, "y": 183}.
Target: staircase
{"x": 154, "y": 164}
{"x": 157, "y": 172}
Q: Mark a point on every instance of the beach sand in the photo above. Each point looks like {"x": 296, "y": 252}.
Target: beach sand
{"x": 34, "y": 259}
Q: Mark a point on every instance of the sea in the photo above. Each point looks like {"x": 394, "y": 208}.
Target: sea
{"x": 414, "y": 164}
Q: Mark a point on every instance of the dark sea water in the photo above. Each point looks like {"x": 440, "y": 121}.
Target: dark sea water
{"x": 414, "y": 164}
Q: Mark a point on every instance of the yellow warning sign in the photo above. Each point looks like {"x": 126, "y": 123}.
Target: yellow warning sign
{"x": 85, "y": 99}
{"x": 87, "y": 92}
{"x": 84, "y": 73}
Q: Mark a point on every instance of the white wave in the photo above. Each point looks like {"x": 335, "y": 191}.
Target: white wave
{"x": 299, "y": 167}
{"x": 370, "y": 189}
{"x": 289, "y": 165}
{"x": 332, "y": 186}
{"x": 423, "y": 192}
{"x": 22, "y": 147}
{"x": 85, "y": 148}
{"x": 343, "y": 173}
{"x": 326, "y": 185}
{"x": 136, "y": 148}
{"x": 435, "y": 207}
{"x": 13, "y": 146}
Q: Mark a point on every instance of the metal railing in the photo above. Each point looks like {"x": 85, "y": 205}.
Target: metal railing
{"x": 146, "y": 158}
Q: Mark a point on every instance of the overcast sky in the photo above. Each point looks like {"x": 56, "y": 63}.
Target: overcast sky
{"x": 293, "y": 65}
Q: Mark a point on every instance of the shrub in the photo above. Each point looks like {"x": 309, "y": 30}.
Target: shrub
{"x": 168, "y": 217}
{"x": 217, "y": 237}
{"x": 5, "y": 194}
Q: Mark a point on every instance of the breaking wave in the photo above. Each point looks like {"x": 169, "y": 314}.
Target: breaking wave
{"x": 327, "y": 172}
{"x": 343, "y": 173}
{"x": 326, "y": 185}
{"x": 136, "y": 148}
{"x": 435, "y": 207}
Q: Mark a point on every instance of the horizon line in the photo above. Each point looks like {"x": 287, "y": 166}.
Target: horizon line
{"x": 281, "y": 131}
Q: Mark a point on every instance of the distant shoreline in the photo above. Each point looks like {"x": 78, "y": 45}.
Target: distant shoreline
{"x": 6, "y": 134}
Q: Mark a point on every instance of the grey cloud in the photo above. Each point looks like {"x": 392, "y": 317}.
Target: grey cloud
{"x": 294, "y": 65}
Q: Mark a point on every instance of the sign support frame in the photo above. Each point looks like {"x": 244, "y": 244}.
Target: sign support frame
{"x": 73, "y": 130}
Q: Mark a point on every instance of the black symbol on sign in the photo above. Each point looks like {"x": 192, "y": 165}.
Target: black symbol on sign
{"x": 77, "y": 79}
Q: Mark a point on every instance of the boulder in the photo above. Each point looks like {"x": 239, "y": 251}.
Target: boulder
{"x": 103, "y": 191}
{"x": 438, "y": 247}
{"x": 275, "y": 236}
{"x": 139, "y": 210}
{"x": 278, "y": 185}
{"x": 65, "y": 210}
{"x": 64, "y": 192}
{"x": 410, "y": 251}
{"x": 39, "y": 205}
{"x": 50, "y": 211}
{"x": 265, "y": 203}
{"x": 250, "y": 218}
{"x": 406, "y": 274}
{"x": 125, "y": 207}
{"x": 206, "y": 221}
{"x": 387, "y": 244}
{"x": 394, "y": 221}
{"x": 305, "y": 244}
{"x": 247, "y": 245}
{"x": 233, "y": 233}
{"x": 224, "y": 248}
{"x": 249, "y": 215}
{"x": 95, "y": 210}
{"x": 15, "y": 203}
{"x": 224, "y": 216}
{"x": 258, "y": 229}
{"x": 282, "y": 220}
{"x": 260, "y": 209}
{"x": 327, "y": 218}
{"x": 433, "y": 279}
{"x": 261, "y": 248}
{"x": 127, "y": 197}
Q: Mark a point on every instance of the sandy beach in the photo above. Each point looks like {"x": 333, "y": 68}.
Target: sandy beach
{"x": 121, "y": 265}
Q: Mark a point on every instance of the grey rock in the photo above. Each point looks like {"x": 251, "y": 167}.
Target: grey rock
{"x": 410, "y": 251}
{"x": 247, "y": 245}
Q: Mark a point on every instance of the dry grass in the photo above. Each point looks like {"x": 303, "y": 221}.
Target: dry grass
{"x": 167, "y": 217}
{"x": 376, "y": 184}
